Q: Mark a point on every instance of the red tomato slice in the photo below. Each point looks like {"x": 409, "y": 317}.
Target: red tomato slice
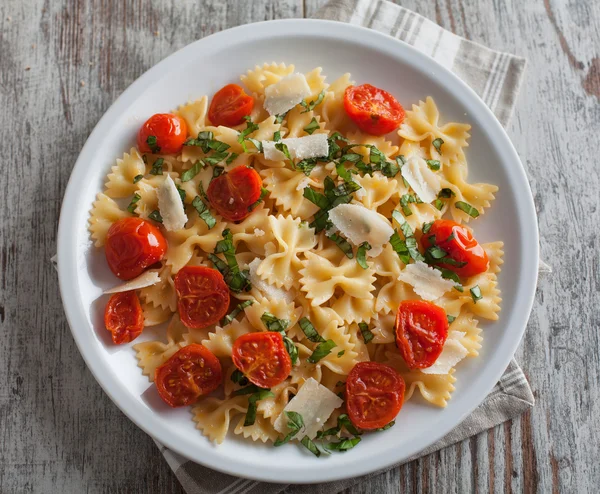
{"x": 460, "y": 245}
{"x": 123, "y": 317}
{"x": 202, "y": 296}
{"x": 421, "y": 331}
{"x": 232, "y": 193}
{"x": 374, "y": 395}
{"x": 262, "y": 358}
{"x": 373, "y": 110}
{"x": 133, "y": 244}
{"x": 170, "y": 132}
{"x": 229, "y": 106}
{"x": 192, "y": 372}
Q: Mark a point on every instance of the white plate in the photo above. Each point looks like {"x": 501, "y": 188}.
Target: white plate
{"x": 202, "y": 68}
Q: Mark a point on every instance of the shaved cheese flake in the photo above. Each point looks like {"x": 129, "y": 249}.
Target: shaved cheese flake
{"x": 268, "y": 290}
{"x": 359, "y": 224}
{"x": 314, "y": 146}
{"x": 426, "y": 282}
{"x": 170, "y": 206}
{"x": 315, "y": 403}
{"x": 454, "y": 351}
{"x": 286, "y": 93}
{"x": 422, "y": 180}
{"x": 145, "y": 279}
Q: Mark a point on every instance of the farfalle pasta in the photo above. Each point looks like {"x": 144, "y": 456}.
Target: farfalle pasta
{"x": 272, "y": 306}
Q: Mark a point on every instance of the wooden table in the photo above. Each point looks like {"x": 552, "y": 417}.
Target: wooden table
{"x": 63, "y": 62}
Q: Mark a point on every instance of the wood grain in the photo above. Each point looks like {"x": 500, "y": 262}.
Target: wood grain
{"x": 63, "y": 62}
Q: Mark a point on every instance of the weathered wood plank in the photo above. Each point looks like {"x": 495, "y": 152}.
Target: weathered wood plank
{"x": 61, "y": 65}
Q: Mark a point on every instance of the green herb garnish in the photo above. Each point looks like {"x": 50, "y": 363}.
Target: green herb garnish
{"x": 311, "y": 106}
{"x": 263, "y": 193}
{"x": 233, "y": 314}
{"x": 322, "y": 350}
{"x": 204, "y": 212}
{"x": 467, "y": 208}
{"x": 295, "y": 424}
{"x": 366, "y": 333}
{"x": 450, "y": 318}
{"x": 308, "y": 444}
{"x": 437, "y": 144}
{"x": 151, "y": 141}
{"x": 399, "y": 246}
{"x": 312, "y": 126}
{"x": 236, "y": 279}
{"x": 476, "y": 293}
{"x": 309, "y": 331}
{"x": 433, "y": 164}
{"x": 272, "y": 323}
{"x": 251, "y": 413}
{"x": 155, "y": 215}
{"x": 386, "y": 427}
{"x": 343, "y": 244}
{"x": 134, "y": 200}
{"x": 237, "y": 376}
{"x": 427, "y": 227}
{"x": 137, "y": 178}
{"x": 187, "y": 175}
{"x": 157, "y": 167}
{"x": 307, "y": 165}
{"x": 344, "y": 444}
{"x": 407, "y": 231}
{"x": 361, "y": 254}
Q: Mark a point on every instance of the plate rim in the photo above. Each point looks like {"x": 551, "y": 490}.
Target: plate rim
{"x": 67, "y": 268}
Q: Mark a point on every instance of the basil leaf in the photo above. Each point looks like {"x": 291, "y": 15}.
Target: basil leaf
{"x": 322, "y": 350}
{"x": 399, "y": 246}
{"x": 433, "y": 164}
{"x": 459, "y": 288}
{"x": 345, "y": 189}
{"x": 329, "y": 432}
{"x": 312, "y": 126}
{"x": 277, "y": 136}
{"x": 413, "y": 250}
{"x": 436, "y": 252}
{"x": 307, "y": 165}
{"x": 237, "y": 376}
{"x": 204, "y": 212}
{"x": 308, "y": 444}
{"x": 427, "y": 227}
{"x": 451, "y": 262}
{"x": 351, "y": 157}
{"x": 390, "y": 169}
{"x": 137, "y": 178}
{"x": 291, "y": 348}
{"x": 311, "y": 106}
{"x": 251, "y": 413}
{"x": 263, "y": 193}
{"x": 449, "y": 275}
{"x": 295, "y": 423}
{"x": 344, "y": 421}
{"x": 309, "y": 331}
{"x": 467, "y": 208}
{"x": 343, "y": 244}
{"x": 366, "y": 333}
{"x": 437, "y": 144}
{"x": 151, "y": 141}
{"x": 250, "y": 127}
{"x": 343, "y": 173}
{"x": 376, "y": 156}
{"x": 187, "y": 175}
{"x": 233, "y": 314}
{"x": 230, "y": 158}
{"x": 341, "y": 354}
{"x": 315, "y": 197}
{"x": 280, "y": 118}
{"x": 386, "y": 427}
{"x": 181, "y": 193}
{"x": 361, "y": 254}
{"x": 134, "y": 200}
{"x": 404, "y": 201}
{"x": 155, "y": 215}
{"x": 407, "y": 231}
{"x": 446, "y": 193}
{"x": 344, "y": 444}
{"x": 280, "y": 146}
{"x": 157, "y": 167}
{"x": 272, "y": 323}
{"x": 438, "y": 204}
{"x": 450, "y": 318}
{"x": 400, "y": 160}
{"x": 236, "y": 279}
{"x": 476, "y": 293}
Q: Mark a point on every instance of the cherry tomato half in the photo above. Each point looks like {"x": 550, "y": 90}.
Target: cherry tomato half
{"x": 232, "y": 193}
{"x": 373, "y": 110}
{"x": 162, "y": 133}
{"x": 460, "y": 245}
{"x": 229, "y": 106}
{"x": 192, "y": 372}
{"x": 202, "y": 296}
{"x": 133, "y": 244}
{"x": 374, "y": 395}
{"x": 262, "y": 358}
{"x": 123, "y": 317}
{"x": 421, "y": 331}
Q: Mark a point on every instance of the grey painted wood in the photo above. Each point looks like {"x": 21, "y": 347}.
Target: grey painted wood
{"x": 63, "y": 62}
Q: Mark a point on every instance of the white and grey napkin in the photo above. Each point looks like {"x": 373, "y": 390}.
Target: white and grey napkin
{"x": 496, "y": 77}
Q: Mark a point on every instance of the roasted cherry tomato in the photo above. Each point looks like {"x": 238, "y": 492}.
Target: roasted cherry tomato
{"x": 460, "y": 245}
{"x": 262, "y": 358}
{"x": 421, "y": 331}
{"x": 192, "y": 372}
{"x": 374, "y": 395}
{"x": 202, "y": 296}
{"x": 123, "y": 317}
{"x": 373, "y": 110}
{"x": 133, "y": 244}
{"x": 229, "y": 106}
{"x": 232, "y": 193}
{"x": 162, "y": 133}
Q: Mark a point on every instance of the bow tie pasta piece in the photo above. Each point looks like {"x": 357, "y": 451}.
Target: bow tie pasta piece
{"x": 120, "y": 181}
{"x": 105, "y": 211}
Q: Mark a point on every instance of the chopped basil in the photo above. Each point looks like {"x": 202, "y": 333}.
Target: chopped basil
{"x": 341, "y": 354}
{"x": 404, "y": 226}
{"x": 248, "y": 390}
{"x": 334, "y": 196}
{"x": 467, "y": 208}
{"x": 344, "y": 421}
{"x": 390, "y": 169}
{"x": 312, "y": 126}
{"x": 309, "y": 331}
{"x": 334, "y": 148}
{"x": 322, "y": 350}
{"x": 151, "y": 141}
{"x": 157, "y": 167}
{"x": 230, "y": 158}
{"x": 155, "y": 215}
{"x": 181, "y": 193}
{"x": 256, "y": 143}
{"x": 237, "y": 376}
{"x": 251, "y": 413}
{"x": 361, "y": 254}
{"x": 343, "y": 173}
{"x": 436, "y": 252}
{"x": 263, "y": 193}
{"x": 204, "y": 212}
{"x": 236, "y": 279}
{"x": 446, "y": 193}
{"x": 311, "y": 106}
{"x": 386, "y": 427}
{"x": 316, "y": 198}
{"x": 291, "y": 349}
{"x": 459, "y": 288}
{"x": 203, "y": 141}
{"x": 447, "y": 274}
{"x": 187, "y": 175}
{"x": 280, "y": 117}
{"x": 437, "y": 144}
{"x": 134, "y": 200}
{"x": 344, "y": 444}
{"x": 280, "y": 146}
{"x": 413, "y": 250}
{"x": 272, "y": 323}
{"x": 404, "y": 202}
{"x": 277, "y": 136}
{"x": 250, "y": 127}
{"x": 351, "y": 157}
{"x": 438, "y": 204}
{"x": 308, "y": 444}
{"x": 343, "y": 244}
{"x": 401, "y": 160}
{"x": 295, "y": 423}
{"x": 433, "y": 164}
{"x": 476, "y": 293}
{"x": 366, "y": 333}
{"x": 137, "y": 178}
{"x": 399, "y": 246}
{"x": 427, "y": 227}
{"x": 329, "y": 432}
{"x": 450, "y": 318}
{"x": 233, "y": 314}
{"x": 307, "y": 165}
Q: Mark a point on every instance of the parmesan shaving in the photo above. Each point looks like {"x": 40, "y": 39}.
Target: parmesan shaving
{"x": 286, "y": 93}
{"x": 170, "y": 206}
{"x": 268, "y": 290}
{"x": 426, "y": 282}
{"x": 145, "y": 279}
{"x": 422, "y": 180}
{"x": 301, "y": 148}
{"x": 454, "y": 351}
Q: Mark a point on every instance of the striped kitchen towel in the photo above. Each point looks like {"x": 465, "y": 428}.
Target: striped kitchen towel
{"x": 496, "y": 77}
